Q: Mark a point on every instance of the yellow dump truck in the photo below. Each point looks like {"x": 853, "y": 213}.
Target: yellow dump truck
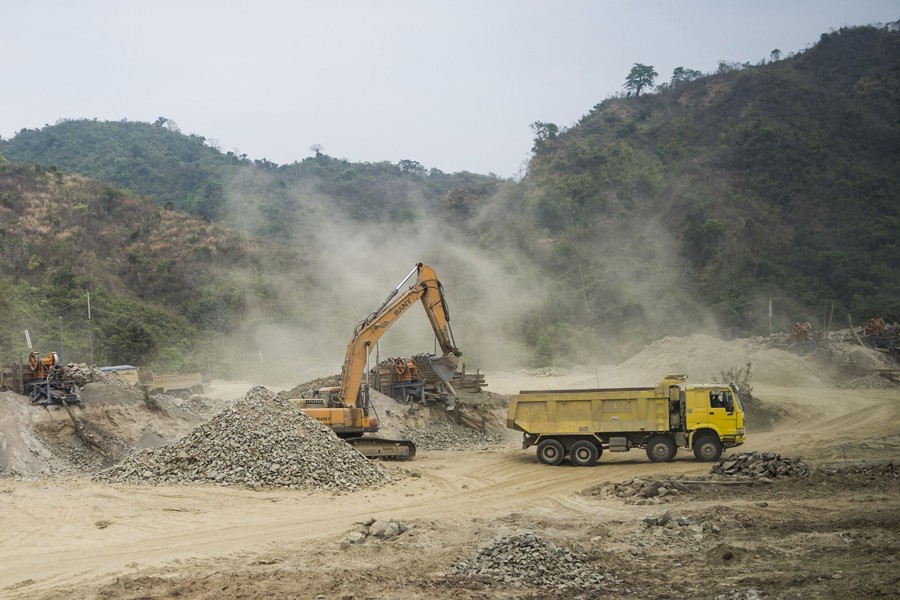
{"x": 580, "y": 424}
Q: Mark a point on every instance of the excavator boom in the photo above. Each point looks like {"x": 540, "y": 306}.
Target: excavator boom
{"x": 346, "y": 410}
{"x": 430, "y": 292}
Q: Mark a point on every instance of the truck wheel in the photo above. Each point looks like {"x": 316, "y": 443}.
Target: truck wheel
{"x": 550, "y": 452}
{"x": 661, "y": 448}
{"x": 583, "y": 453}
{"x": 707, "y": 449}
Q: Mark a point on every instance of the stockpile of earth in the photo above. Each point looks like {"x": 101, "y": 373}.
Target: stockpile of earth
{"x": 443, "y": 435}
{"x": 868, "y": 382}
{"x": 260, "y": 441}
{"x": 760, "y": 464}
{"x": 703, "y": 358}
{"x": 529, "y": 560}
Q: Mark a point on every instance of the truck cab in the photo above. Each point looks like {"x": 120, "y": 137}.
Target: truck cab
{"x": 713, "y": 411}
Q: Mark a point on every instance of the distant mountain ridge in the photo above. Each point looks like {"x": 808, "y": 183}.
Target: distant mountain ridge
{"x": 690, "y": 208}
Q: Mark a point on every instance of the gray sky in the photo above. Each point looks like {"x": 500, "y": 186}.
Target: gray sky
{"x": 453, "y": 84}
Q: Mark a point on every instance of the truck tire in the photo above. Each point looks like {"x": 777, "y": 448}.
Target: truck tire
{"x": 583, "y": 453}
{"x": 661, "y": 448}
{"x": 708, "y": 448}
{"x": 551, "y": 452}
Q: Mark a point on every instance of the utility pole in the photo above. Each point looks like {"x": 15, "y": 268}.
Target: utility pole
{"x": 90, "y": 329}
{"x": 62, "y": 344}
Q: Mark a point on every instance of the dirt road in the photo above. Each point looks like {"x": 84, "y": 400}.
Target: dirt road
{"x": 72, "y": 538}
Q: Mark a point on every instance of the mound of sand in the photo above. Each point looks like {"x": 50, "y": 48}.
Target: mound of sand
{"x": 704, "y": 357}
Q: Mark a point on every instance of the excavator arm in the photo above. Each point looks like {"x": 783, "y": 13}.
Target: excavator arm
{"x": 429, "y": 291}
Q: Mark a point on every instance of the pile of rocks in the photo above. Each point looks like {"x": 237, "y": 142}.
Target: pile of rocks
{"x": 760, "y": 465}
{"x": 309, "y": 389}
{"x": 528, "y": 560}
{"x": 442, "y": 435}
{"x": 377, "y": 529}
{"x": 868, "y": 382}
{"x": 260, "y": 441}
{"x": 81, "y": 374}
{"x": 643, "y": 491}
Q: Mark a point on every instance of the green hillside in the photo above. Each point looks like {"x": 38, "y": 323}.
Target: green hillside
{"x": 771, "y": 181}
{"x": 687, "y": 208}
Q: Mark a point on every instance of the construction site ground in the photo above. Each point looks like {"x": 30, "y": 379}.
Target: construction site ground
{"x": 834, "y": 533}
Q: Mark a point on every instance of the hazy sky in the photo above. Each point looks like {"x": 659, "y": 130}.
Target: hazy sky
{"x": 453, "y": 84}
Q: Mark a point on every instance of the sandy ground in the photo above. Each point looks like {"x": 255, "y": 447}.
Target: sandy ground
{"x": 833, "y": 535}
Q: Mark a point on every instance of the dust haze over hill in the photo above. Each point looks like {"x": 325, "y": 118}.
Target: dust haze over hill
{"x": 494, "y": 280}
{"x": 350, "y": 268}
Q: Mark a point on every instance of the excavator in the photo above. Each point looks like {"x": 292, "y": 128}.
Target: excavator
{"x": 347, "y": 408}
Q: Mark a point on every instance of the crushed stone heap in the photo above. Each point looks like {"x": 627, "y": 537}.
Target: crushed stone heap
{"x": 260, "y": 441}
{"x": 760, "y": 464}
{"x": 441, "y": 435}
{"x": 529, "y": 560}
{"x": 867, "y": 382}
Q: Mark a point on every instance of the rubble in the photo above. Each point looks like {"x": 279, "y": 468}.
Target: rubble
{"x": 375, "y": 529}
{"x": 442, "y": 435}
{"x": 82, "y": 374}
{"x": 640, "y": 491}
{"x": 308, "y": 389}
{"x": 260, "y": 441}
{"x": 526, "y": 559}
{"x": 760, "y": 465}
{"x": 868, "y": 382}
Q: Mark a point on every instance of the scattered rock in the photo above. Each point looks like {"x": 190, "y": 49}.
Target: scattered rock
{"x": 761, "y": 466}
{"x": 375, "y": 528}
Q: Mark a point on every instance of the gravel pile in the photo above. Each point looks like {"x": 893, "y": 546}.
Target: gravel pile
{"x": 528, "y": 560}
{"x": 759, "y": 465}
{"x": 442, "y": 435}
{"x": 643, "y": 491}
{"x": 82, "y": 374}
{"x": 309, "y": 389}
{"x": 260, "y": 441}
{"x": 868, "y": 382}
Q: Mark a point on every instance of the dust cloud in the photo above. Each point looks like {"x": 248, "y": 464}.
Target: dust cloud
{"x": 620, "y": 288}
{"x": 346, "y": 272}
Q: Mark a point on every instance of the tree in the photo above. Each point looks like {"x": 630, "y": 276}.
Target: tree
{"x": 680, "y": 75}
{"x": 640, "y": 77}
{"x": 544, "y": 134}
{"x": 776, "y": 55}
{"x": 410, "y": 166}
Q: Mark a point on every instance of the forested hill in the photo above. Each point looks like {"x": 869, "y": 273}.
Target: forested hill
{"x": 190, "y": 174}
{"x": 687, "y": 207}
{"x": 779, "y": 180}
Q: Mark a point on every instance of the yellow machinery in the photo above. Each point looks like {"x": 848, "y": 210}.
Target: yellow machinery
{"x": 582, "y": 423}
{"x": 347, "y": 408}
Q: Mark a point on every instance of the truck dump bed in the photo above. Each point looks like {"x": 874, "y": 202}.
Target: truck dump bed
{"x": 555, "y": 412}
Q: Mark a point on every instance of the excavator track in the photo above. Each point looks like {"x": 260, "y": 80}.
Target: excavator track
{"x": 372, "y": 447}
